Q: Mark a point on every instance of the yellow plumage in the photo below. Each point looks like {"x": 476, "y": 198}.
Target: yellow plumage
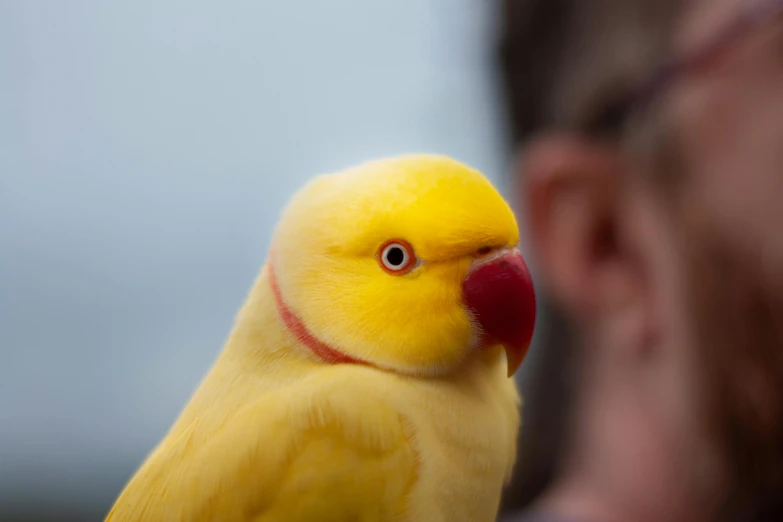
{"x": 425, "y": 432}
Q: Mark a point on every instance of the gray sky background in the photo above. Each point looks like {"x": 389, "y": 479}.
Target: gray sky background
{"x": 146, "y": 149}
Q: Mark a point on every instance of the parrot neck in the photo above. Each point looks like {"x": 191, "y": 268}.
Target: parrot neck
{"x": 298, "y": 329}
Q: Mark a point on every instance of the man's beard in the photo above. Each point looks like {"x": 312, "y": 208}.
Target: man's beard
{"x": 738, "y": 319}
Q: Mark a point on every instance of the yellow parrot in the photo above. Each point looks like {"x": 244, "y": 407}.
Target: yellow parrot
{"x": 364, "y": 378}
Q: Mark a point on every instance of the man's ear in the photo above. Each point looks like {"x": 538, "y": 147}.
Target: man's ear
{"x": 569, "y": 188}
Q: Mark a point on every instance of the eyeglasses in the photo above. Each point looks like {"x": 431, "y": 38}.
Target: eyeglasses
{"x": 614, "y": 116}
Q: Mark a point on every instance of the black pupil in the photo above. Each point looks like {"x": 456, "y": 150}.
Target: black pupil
{"x": 395, "y": 256}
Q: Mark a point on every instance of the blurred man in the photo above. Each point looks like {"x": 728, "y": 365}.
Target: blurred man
{"x": 654, "y": 206}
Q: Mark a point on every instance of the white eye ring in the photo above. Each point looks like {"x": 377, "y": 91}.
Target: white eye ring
{"x": 397, "y": 257}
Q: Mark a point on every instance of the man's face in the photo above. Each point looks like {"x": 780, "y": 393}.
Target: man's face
{"x": 677, "y": 288}
{"x": 728, "y": 120}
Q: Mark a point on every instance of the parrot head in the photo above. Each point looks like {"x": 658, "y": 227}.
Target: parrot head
{"x": 408, "y": 264}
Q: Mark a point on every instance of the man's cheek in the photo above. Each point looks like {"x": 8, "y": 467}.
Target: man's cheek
{"x": 748, "y": 216}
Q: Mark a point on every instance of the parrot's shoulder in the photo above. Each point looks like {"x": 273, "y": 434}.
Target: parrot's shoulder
{"x": 352, "y": 402}
{"x": 344, "y": 447}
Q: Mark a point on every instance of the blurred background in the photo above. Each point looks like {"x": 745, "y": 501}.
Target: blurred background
{"x": 146, "y": 149}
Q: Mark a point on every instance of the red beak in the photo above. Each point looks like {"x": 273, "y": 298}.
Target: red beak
{"x": 499, "y": 293}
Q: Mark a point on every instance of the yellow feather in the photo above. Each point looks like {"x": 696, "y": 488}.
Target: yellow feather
{"x": 426, "y": 434}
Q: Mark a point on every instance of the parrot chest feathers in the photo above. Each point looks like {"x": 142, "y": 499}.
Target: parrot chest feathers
{"x": 459, "y": 437}
{"x": 346, "y": 442}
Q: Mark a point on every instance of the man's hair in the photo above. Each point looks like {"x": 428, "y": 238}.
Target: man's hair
{"x": 563, "y": 64}
{"x": 611, "y": 47}
{"x": 564, "y": 61}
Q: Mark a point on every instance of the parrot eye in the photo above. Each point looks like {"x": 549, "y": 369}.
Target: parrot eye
{"x": 397, "y": 257}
